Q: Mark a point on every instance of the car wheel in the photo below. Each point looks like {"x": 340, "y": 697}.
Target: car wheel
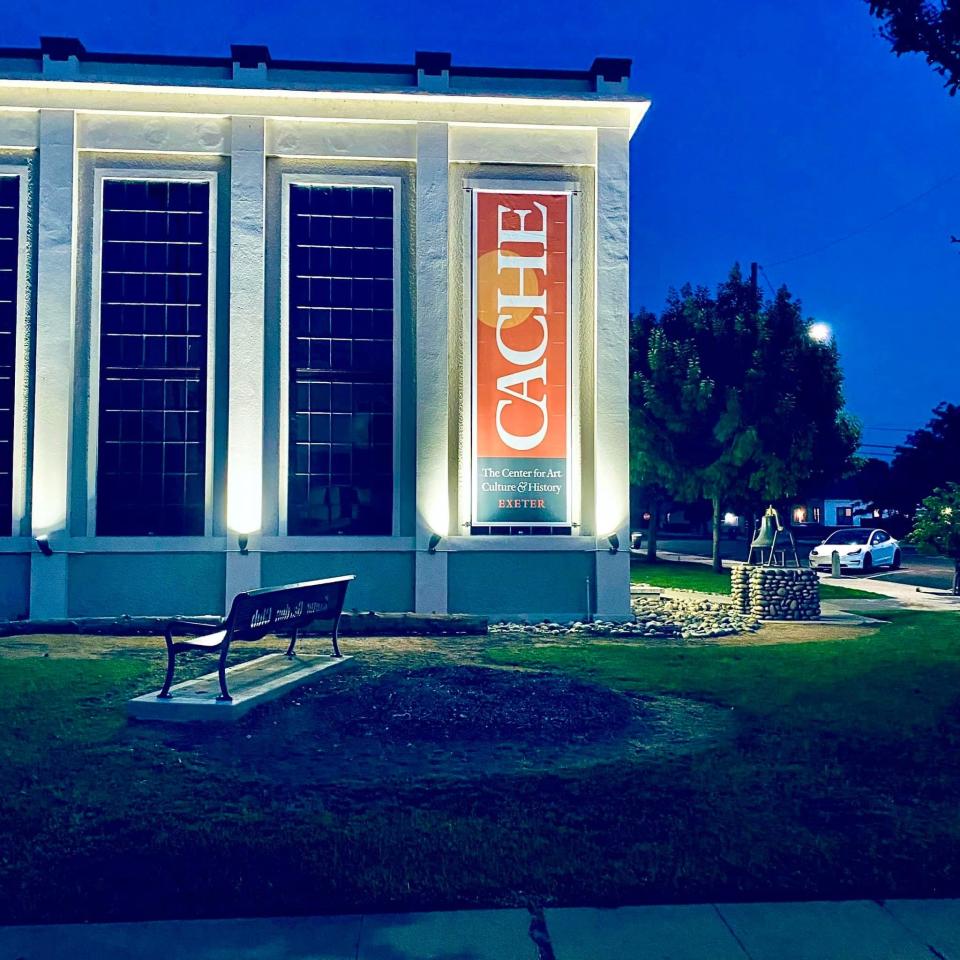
{"x": 896, "y": 560}
{"x": 867, "y": 563}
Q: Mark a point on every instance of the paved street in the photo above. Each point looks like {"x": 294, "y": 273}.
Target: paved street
{"x": 852, "y": 930}
{"x": 917, "y": 570}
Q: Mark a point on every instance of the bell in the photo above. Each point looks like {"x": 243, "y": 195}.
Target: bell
{"x": 767, "y": 533}
{"x": 773, "y": 539}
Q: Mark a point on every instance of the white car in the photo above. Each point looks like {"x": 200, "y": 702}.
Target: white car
{"x": 860, "y": 548}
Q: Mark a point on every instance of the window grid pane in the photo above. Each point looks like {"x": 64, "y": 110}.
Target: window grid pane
{"x": 153, "y": 358}
{"x": 341, "y": 360}
{"x": 9, "y": 269}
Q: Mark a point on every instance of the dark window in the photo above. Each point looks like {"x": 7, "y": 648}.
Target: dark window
{"x": 9, "y": 254}
{"x": 153, "y": 358}
{"x": 341, "y": 360}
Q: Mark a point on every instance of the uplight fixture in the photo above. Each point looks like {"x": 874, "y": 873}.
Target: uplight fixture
{"x": 435, "y": 539}
{"x": 44, "y": 546}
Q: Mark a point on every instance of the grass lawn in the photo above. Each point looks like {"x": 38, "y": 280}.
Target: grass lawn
{"x": 830, "y": 770}
{"x": 683, "y": 575}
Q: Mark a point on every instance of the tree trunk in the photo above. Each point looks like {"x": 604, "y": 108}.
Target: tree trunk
{"x": 717, "y": 562}
{"x": 652, "y": 532}
{"x": 956, "y": 577}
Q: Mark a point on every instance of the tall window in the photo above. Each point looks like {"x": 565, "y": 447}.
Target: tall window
{"x": 9, "y": 270}
{"x": 153, "y": 358}
{"x": 341, "y": 360}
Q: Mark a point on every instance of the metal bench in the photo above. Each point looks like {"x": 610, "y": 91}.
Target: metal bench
{"x": 253, "y": 615}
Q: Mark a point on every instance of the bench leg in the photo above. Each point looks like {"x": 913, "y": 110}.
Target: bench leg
{"x": 164, "y": 693}
{"x": 293, "y": 642}
{"x": 222, "y": 671}
{"x": 336, "y": 628}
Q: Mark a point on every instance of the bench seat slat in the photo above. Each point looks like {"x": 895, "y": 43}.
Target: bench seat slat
{"x": 209, "y": 642}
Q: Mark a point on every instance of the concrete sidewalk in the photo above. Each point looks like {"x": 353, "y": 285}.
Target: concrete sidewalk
{"x": 904, "y": 595}
{"x": 851, "y": 930}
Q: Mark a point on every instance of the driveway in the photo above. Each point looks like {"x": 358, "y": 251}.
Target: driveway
{"x": 917, "y": 570}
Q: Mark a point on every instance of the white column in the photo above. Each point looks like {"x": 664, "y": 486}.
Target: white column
{"x": 53, "y": 371}
{"x": 245, "y": 405}
{"x": 433, "y": 402}
{"x": 242, "y": 574}
{"x": 611, "y": 375}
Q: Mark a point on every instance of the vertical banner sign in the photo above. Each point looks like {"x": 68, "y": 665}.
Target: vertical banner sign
{"x": 521, "y": 358}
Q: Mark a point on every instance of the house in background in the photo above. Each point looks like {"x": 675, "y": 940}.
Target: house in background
{"x": 840, "y": 507}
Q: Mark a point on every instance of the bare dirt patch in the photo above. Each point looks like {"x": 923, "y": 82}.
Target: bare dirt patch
{"x": 442, "y": 703}
{"x": 383, "y": 723}
{"x": 796, "y": 633}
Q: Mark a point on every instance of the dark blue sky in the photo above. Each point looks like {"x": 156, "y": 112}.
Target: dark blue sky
{"x": 775, "y": 129}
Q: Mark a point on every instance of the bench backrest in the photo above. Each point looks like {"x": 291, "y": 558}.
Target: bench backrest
{"x": 290, "y": 607}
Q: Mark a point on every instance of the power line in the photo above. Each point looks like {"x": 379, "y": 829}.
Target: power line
{"x": 867, "y": 226}
{"x": 767, "y": 280}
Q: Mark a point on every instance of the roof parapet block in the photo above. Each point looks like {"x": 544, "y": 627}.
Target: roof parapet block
{"x": 250, "y": 62}
{"x": 61, "y": 56}
{"x": 611, "y": 74}
{"x": 433, "y": 70}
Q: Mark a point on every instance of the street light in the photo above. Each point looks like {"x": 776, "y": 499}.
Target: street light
{"x": 820, "y": 332}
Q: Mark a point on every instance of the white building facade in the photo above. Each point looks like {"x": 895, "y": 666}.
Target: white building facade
{"x": 267, "y": 321}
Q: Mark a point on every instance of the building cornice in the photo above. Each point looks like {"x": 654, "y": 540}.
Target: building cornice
{"x": 251, "y": 72}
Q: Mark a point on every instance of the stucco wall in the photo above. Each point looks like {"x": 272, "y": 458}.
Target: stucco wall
{"x": 525, "y": 584}
{"x": 14, "y": 586}
{"x": 384, "y": 580}
{"x": 146, "y": 585}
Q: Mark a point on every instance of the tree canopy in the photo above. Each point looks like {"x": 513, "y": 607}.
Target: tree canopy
{"x": 928, "y": 458}
{"x": 927, "y": 27}
{"x": 937, "y": 526}
{"x": 733, "y": 401}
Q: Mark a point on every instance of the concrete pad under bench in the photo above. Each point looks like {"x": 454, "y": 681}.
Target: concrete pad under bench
{"x": 250, "y": 684}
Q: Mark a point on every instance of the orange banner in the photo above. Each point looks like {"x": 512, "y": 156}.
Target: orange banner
{"x": 521, "y": 357}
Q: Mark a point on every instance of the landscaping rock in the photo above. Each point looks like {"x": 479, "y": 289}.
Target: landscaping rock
{"x": 682, "y": 615}
{"x": 775, "y": 593}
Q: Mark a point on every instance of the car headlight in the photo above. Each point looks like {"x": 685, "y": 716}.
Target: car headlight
{"x": 813, "y": 553}
{"x": 853, "y": 553}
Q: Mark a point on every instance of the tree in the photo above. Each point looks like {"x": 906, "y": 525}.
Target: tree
{"x": 872, "y": 483}
{"x": 675, "y": 403}
{"x": 937, "y": 526}
{"x": 732, "y": 401}
{"x": 928, "y": 27}
{"x": 648, "y": 474}
{"x": 929, "y": 458}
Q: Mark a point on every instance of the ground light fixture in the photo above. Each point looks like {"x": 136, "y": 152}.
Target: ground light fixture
{"x": 242, "y": 542}
{"x": 43, "y": 545}
{"x": 435, "y": 539}
{"x": 614, "y": 542}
